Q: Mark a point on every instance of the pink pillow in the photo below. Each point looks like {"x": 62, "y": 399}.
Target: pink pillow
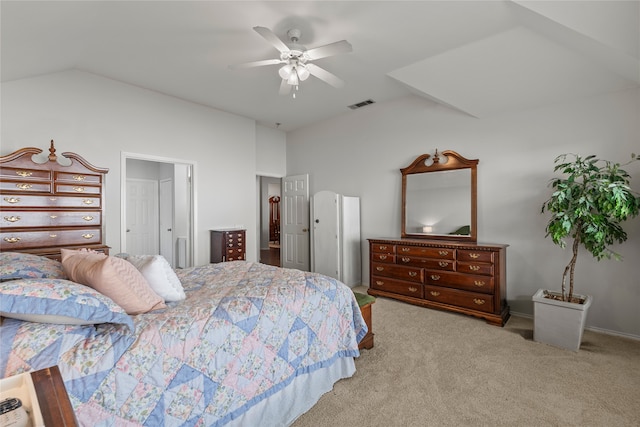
{"x": 113, "y": 277}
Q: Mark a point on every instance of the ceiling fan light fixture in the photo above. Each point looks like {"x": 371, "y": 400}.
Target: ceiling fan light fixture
{"x": 286, "y": 71}
{"x": 303, "y": 72}
{"x": 293, "y": 78}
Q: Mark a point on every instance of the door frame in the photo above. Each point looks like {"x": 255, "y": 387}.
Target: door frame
{"x": 193, "y": 216}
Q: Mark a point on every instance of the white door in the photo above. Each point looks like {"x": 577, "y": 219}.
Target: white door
{"x": 166, "y": 220}
{"x": 325, "y": 242}
{"x": 142, "y": 217}
{"x": 294, "y": 222}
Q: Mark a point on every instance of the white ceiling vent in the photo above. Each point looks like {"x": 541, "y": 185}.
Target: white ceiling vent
{"x": 361, "y": 104}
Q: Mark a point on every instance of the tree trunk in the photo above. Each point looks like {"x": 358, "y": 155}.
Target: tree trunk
{"x": 570, "y": 269}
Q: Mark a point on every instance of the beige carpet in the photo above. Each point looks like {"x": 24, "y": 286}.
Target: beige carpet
{"x": 432, "y": 368}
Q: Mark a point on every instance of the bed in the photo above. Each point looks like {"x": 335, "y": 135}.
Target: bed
{"x": 244, "y": 344}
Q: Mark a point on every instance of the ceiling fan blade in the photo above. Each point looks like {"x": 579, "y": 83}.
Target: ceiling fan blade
{"x": 331, "y": 49}
{"x": 257, "y": 63}
{"x": 272, "y": 38}
{"x": 285, "y": 88}
{"x": 324, "y": 75}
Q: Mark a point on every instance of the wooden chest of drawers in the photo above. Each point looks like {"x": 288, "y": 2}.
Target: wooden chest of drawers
{"x": 466, "y": 278}
{"x": 50, "y": 205}
{"x": 227, "y": 245}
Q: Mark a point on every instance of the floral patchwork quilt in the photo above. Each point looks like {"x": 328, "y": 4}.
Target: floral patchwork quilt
{"x": 244, "y": 332}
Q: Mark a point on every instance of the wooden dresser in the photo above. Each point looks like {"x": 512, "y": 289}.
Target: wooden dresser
{"x": 466, "y": 278}
{"x": 48, "y": 206}
{"x": 227, "y": 245}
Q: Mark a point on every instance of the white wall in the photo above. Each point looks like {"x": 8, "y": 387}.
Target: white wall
{"x": 367, "y": 147}
{"x": 99, "y": 118}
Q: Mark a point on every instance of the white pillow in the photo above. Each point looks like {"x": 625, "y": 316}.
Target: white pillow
{"x": 160, "y": 276}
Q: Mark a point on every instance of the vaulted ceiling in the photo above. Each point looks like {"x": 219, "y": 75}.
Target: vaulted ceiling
{"x": 479, "y": 57}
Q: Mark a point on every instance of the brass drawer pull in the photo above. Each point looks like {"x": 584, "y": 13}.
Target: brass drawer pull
{"x": 379, "y": 282}
{"x": 413, "y": 273}
{"x": 479, "y": 283}
{"x": 23, "y": 186}
{"x": 12, "y": 239}
{"x": 88, "y": 235}
{"x": 406, "y": 259}
{"x": 474, "y": 267}
{"x": 87, "y": 218}
{"x": 87, "y": 201}
{"x": 474, "y": 256}
{"x": 382, "y": 257}
{"x": 79, "y": 177}
{"x": 78, "y": 189}
{"x": 53, "y": 236}
{"x": 412, "y": 289}
{"x": 12, "y": 218}
{"x": 380, "y": 268}
{"x": 435, "y": 277}
{"x": 53, "y": 199}
{"x": 53, "y": 216}
{"x": 406, "y": 249}
{"x": 382, "y": 248}
{"x": 479, "y": 301}
{"x": 12, "y": 200}
{"x": 24, "y": 174}
{"x": 443, "y": 253}
{"x": 443, "y": 263}
{"x": 434, "y": 293}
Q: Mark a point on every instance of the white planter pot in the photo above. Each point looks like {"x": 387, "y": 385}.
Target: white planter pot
{"x": 559, "y": 323}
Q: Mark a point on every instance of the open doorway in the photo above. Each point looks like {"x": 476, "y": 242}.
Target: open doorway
{"x": 269, "y": 224}
{"x": 157, "y": 203}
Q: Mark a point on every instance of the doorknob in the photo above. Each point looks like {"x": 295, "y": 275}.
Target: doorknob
{"x": 128, "y": 230}
{"x": 168, "y": 229}
{"x": 304, "y": 230}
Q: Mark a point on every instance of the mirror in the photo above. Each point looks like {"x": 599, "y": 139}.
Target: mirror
{"x": 439, "y": 197}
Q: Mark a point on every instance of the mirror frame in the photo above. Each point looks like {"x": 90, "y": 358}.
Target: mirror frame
{"x": 454, "y": 161}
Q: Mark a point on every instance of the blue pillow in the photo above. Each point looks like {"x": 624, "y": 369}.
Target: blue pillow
{"x": 16, "y": 265}
{"x": 59, "y": 301}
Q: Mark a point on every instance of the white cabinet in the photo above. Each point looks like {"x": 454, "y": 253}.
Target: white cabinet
{"x": 335, "y": 237}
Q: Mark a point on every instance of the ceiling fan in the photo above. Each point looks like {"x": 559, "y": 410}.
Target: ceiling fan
{"x": 297, "y": 60}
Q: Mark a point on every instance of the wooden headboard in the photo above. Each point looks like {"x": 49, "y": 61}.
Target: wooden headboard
{"x": 48, "y": 206}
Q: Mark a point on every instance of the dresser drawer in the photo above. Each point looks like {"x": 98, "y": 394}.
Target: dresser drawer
{"x": 475, "y": 256}
{"x": 18, "y": 219}
{"x": 397, "y": 286}
{"x": 383, "y": 257}
{"x": 475, "y": 268}
{"x": 412, "y": 274}
{"x": 472, "y": 300}
{"x": 25, "y": 174}
{"x": 77, "y": 189}
{"x": 24, "y": 186}
{"x": 437, "y": 264}
{"x": 438, "y": 253}
{"x": 8, "y": 200}
{"x": 386, "y": 248}
{"x": 32, "y": 239}
{"x": 79, "y": 178}
{"x": 235, "y": 254}
{"x": 460, "y": 281}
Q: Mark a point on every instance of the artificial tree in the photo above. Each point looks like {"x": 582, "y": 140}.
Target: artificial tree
{"x": 589, "y": 202}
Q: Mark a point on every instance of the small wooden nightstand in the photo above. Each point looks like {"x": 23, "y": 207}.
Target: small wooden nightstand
{"x": 53, "y": 399}
{"x": 365, "y": 302}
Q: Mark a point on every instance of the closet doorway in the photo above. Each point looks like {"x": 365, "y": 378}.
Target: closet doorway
{"x": 157, "y": 208}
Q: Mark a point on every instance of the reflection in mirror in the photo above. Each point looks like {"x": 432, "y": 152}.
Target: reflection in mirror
{"x": 439, "y": 197}
{"x": 439, "y": 203}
